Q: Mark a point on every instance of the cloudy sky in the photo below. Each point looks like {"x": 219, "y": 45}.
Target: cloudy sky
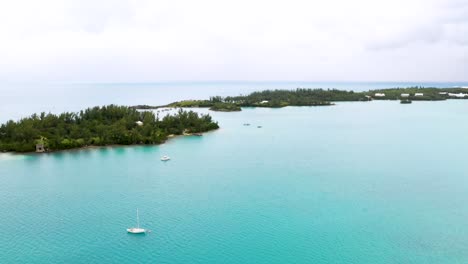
{"x": 310, "y": 40}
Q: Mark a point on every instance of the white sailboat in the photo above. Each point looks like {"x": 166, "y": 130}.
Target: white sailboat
{"x": 136, "y": 230}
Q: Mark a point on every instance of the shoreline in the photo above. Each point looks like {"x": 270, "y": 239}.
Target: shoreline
{"x": 91, "y": 147}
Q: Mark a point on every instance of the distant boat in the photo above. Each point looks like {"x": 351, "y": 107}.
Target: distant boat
{"x": 165, "y": 158}
{"x": 136, "y": 230}
{"x": 246, "y": 124}
{"x": 259, "y": 126}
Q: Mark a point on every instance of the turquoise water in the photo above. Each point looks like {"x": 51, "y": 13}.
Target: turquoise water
{"x": 375, "y": 182}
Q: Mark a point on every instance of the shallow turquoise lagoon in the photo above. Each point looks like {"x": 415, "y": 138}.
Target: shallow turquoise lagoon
{"x": 375, "y": 182}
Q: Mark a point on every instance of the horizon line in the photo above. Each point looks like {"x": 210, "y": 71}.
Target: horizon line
{"x": 225, "y": 81}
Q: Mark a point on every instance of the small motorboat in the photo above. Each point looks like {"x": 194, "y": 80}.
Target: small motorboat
{"x": 259, "y": 126}
{"x": 137, "y": 230}
{"x": 246, "y": 124}
{"x": 165, "y": 158}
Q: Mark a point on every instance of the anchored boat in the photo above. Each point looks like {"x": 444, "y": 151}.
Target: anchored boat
{"x": 136, "y": 230}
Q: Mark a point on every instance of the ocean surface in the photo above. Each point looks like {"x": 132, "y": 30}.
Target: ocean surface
{"x": 362, "y": 182}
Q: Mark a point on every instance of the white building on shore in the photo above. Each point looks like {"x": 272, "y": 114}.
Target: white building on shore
{"x": 458, "y": 95}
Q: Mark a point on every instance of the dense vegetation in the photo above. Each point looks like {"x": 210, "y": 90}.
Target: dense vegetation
{"x": 298, "y": 97}
{"x": 316, "y": 97}
{"x": 98, "y": 126}
{"x": 304, "y": 97}
{"x": 270, "y": 98}
{"x": 193, "y": 103}
{"x": 215, "y": 104}
{"x": 225, "y": 107}
{"x": 429, "y": 94}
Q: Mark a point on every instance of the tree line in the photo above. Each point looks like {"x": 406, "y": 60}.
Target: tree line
{"x": 98, "y": 126}
{"x": 314, "y": 97}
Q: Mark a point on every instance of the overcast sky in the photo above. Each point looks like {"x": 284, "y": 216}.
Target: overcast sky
{"x": 310, "y": 40}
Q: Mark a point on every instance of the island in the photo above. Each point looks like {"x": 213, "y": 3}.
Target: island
{"x": 317, "y": 97}
{"x": 98, "y": 126}
{"x": 122, "y": 125}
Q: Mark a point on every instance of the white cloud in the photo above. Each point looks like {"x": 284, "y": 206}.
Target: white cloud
{"x": 89, "y": 41}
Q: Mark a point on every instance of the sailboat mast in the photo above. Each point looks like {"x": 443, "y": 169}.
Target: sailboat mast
{"x": 138, "y": 220}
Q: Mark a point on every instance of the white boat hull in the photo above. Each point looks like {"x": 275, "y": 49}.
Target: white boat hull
{"x": 135, "y": 230}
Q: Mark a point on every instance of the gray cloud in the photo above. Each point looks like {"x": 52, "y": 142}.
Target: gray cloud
{"x": 450, "y": 25}
{"x": 144, "y": 40}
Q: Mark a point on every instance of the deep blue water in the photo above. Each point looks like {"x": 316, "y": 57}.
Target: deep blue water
{"x": 371, "y": 182}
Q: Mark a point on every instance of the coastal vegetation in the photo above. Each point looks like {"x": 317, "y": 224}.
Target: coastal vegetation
{"x": 415, "y": 93}
{"x": 98, "y": 126}
{"x": 298, "y": 97}
{"x": 306, "y": 97}
{"x": 225, "y": 107}
{"x": 269, "y": 98}
{"x": 215, "y": 104}
{"x": 192, "y": 103}
{"x": 317, "y": 97}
